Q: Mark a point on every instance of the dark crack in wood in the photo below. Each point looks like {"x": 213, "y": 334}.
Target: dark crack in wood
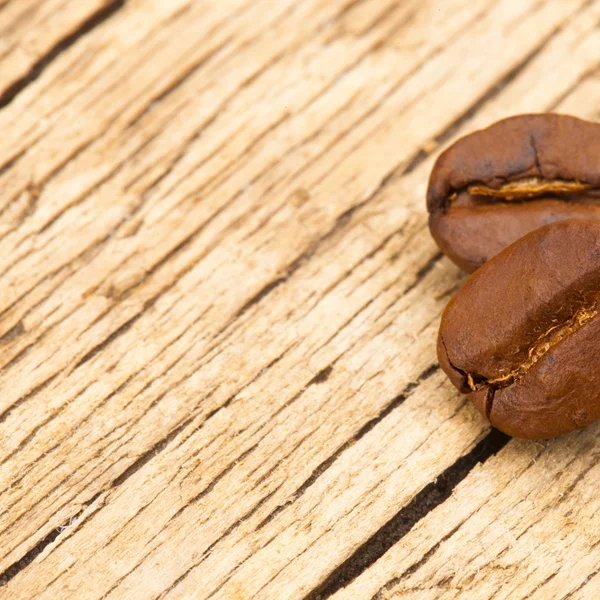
{"x": 40, "y": 66}
{"x": 402, "y": 522}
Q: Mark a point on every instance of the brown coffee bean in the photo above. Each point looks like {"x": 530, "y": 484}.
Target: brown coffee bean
{"x": 492, "y": 187}
{"x": 522, "y": 337}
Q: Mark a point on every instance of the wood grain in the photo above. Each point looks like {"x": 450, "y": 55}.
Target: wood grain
{"x": 33, "y": 33}
{"x": 220, "y": 300}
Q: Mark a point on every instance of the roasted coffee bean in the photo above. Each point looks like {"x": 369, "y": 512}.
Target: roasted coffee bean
{"x": 492, "y": 187}
{"x": 522, "y": 337}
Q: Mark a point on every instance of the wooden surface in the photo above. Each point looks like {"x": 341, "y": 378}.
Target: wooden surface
{"x": 220, "y": 299}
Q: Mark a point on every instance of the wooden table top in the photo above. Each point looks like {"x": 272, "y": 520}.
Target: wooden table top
{"x": 219, "y": 302}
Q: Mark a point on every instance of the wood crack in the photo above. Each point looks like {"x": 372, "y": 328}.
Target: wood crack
{"x": 40, "y": 66}
{"x": 495, "y": 90}
{"x": 400, "y": 524}
{"x": 228, "y": 532}
{"x": 193, "y": 500}
{"x": 588, "y": 74}
{"x": 161, "y": 444}
{"x": 321, "y": 468}
{"x": 14, "y": 569}
{"x": 581, "y": 585}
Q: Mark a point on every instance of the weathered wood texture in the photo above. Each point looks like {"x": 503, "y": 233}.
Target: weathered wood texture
{"x": 219, "y": 303}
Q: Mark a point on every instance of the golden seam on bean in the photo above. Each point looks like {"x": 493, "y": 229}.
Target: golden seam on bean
{"x": 540, "y": 348}
{"x": 528, "y": 188}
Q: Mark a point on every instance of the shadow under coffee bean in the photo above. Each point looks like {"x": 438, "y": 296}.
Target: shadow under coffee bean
{"x": 494, "y": 186}
{"x": 522, "y": 337}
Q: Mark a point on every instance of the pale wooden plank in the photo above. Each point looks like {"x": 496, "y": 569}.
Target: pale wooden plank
{"x": 17, "y": 419}
{"x": 13, "y": 423}
{"x": 369, "y": 322}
